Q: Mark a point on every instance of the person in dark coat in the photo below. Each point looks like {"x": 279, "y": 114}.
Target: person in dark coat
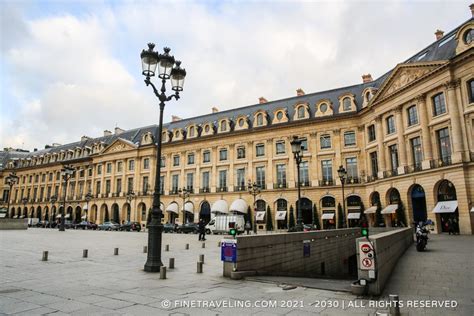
{"x": 202, "y": 230}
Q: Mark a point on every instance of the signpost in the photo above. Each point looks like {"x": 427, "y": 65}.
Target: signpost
{"x": 229, "y": 250}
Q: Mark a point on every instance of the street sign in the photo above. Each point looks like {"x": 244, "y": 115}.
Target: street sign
{"x": 366, "y": 256}
{"x": 229, "y": 250}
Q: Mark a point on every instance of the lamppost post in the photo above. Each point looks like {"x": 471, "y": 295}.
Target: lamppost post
{"x": 88, "y": 198}
{"x": 342, "y": 176}
{"x": 67, "y": 172}
{"x": 129, "y": 197}
{"x": 12, "y": 179}
{"x": 168, "y": 68}
{"x": 254, "y": 189}
{"x": 53, "y": 200}
{"x": 184, "y": 194}
{"x": 296, "y": 149}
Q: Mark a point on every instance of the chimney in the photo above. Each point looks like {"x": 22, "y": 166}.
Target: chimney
{"x": 367, "y": 78}
{"x": 439, "y": 34}
{"x": 299, "y": 92}
{"x": 214, "y": 109}
{"x": 175, "y": 118}
{"x": 472, "y": 9}
{"x": 107, "y": 133}
{"x": 119, "y": 131}
{"x": 262, "y": 100}
{"x": 84, "y": 138}
{"x": 47, "y": 146}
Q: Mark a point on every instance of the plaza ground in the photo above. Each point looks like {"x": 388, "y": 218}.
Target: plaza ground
{"x": 104, "y": 284}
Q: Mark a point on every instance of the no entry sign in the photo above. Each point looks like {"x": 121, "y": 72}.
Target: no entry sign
{"x": 366, "y": 256}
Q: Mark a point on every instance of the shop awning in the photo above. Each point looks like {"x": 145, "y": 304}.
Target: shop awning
{"x": 239, "y": 206}
{"x": 354, "y": 208}
{"x": 390, "y": 209}
{"x": 327, "y": 216}
{"x": 220, "y": 206}
{"x": 371, "y": 210}
{"x": 84, "y": 207}
{"x": 281, "y": 215}
{"x": 67, "y": 216}
{"x": 84, "y": 216}
{"x": 446, "y": 207}
{"x": 260, "y": 216}
{"x": 58, "y": 216}
{"x": 16, "y": 216}
{"x": 173, "y": 207}
{"x": 189, "y": 207}
{"x": 353, "y": 215}
{"x": 22, "y": 216}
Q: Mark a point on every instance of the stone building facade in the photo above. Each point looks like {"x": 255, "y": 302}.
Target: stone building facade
{"x": 406, "y": 140}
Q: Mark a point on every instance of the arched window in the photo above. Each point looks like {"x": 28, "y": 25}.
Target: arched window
{"x": 261, "y": 205}
{"x": 223, "y": 126}
{"x": 469, "y": 36}
{"x": 241, "y": 122}
{"x": 323, "y": 108}
{"x": 301, "y": 112}
{"x": 394, "y": 196}
{"x": 328, "y": 201}
{"x": 346, "y": 104}
{"x": 259, "y": 119}
{"x": 282, "y": 205}
{"x": 446, "y": 191}
{"x": 279, "y": 115}
{"x": 191, "y": 131}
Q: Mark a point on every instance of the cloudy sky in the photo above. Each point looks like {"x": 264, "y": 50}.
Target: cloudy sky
{"x": 72, "y": 68}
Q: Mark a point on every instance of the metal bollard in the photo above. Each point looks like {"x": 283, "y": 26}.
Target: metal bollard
{"x": 171, "y": 263}
{"x": 203, "y": 245}
{"x": 163, "y": 272}
{"x": 85, "y": 253}
{"x": 167, "y": 248}
{"x": 187, "y": 247}
{"x": 116, "y": 251}
{"x": 394, "y": 305}
{"x": 201, "y": 258}
{"x": 45, "y": 256}
{"x": 145, "y": 249}
{"x": 199, "y": 267}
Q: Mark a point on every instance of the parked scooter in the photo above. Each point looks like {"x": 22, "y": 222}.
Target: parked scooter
{"x": 421, "y": 236}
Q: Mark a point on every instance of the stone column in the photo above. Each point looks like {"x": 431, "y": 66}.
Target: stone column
{"x": 456, "y": 137}
{"x": 291, "y": 175}
{"x": 401, "y": 141}
{"x": 338, "y": 159}
{"x": 269, "y": 152}
{"x": 213, "y": 176}
{"x": 231, "y": 181}
{"x": 362, "y": 156}
{"x": 249, "y": 157}
{"x": 380, "y": 148}
{"x": 313, "y": 164}
{"x": 425, "y": 132}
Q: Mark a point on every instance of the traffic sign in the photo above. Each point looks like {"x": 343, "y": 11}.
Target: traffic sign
{"x": 366, "y": 256}
{"x": 229, "y": 250}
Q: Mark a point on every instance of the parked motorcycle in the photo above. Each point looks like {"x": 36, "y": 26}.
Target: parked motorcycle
{"x": 421, "y": 236}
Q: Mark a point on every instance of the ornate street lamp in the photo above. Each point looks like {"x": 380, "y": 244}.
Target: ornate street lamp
{"x": 67, "y": 173}
{"x": 53, "y": 200}
{"x": 342, "y": 176}
{"x": 296, "y": 149}
{"x": 129, "y": 197}
{"x": 184, "y": 194}
{"x": 167, "y": 69}
{"x": 11, "y": 179}
{"x": 254, "y": 189}
{"x": 88, "y": 197}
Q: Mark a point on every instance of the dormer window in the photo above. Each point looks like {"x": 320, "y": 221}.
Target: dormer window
{"x": 346, "y": 104}
{"x": 206, "y": 129}
{"x": 301, "y": 112}
{"x": 468, "y": 36}
{"x": 241, "y": 122}
{"x": 279, "y": 115}
{"x": 176, "y": 134}
{"x": 223, "y": 126}
{"x": 259, "y": 119}
{"x": 191, "y": 131}
{"x": 323, "y": 108}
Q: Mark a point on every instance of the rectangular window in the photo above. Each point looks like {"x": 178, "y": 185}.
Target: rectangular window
{"x": 162, "y": 184}
{"x": 304, "y": 173}
{"x": 439, "y": 104}
{"x": 108, "y": 168}
{"x": 470, "y": 90}
{"x": 107, "y": 186}
{"x": 260, "y": 150}
{"x": 241, "y": 152}
{"x": 444, "y": 145}
{"x": 81, "y": 188}
{"x": 393, "y": 150}
{"x": 119, "y": 166}
{"x": 90, "y": 172}
{"x": 206, "y": 156}
{"x": 99, "y": 169}
{"x": 146, "y": 163}
{"x": 349, "y": 138}
{"x": 81, "y": 173}
{"x": 416, "y": 152}
{"x": 205, "y": 180}
{"x": 41, "y": 193}
{"x": 145, "y": 184}
{"x": 281, "y": 175}
{"x": 50, "y": 176}
{"x": 223, "y": 179}
{"x": 326, "y": 167}
{"x": 48, "y": 193}
{"x": 175, "y": 183}
{"x": 190, "y": 159}
{"x": 36, "y": 178}
{"x": 222, "y": 154}
{"x": 129, "y": 184}
{"x": 412, "y": 115}
{"x": 176, "y": 160}
{"x": 43, "y": 177}
{"x": 351, "y": 166}
{"x": 280, "y": 147}
{"x": 241, "y": 178}
{"x": 371, "y": 133}
{"x": 325, "y": 141}
{"x": 304, "y": 144}
{"x": 163, "y": 162}
{"x": 131, "y": 165}
{"x": 190, "y": 182}
{"x": 97, "y": 187}
{"x": 260, "y": 176}
{"x": 118, "y": 188}
{"x": 390, "y": 124}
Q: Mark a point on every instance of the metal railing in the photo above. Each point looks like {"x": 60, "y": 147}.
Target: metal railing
{"x": 326, "y": 182}
{"x": 281, "y": 185}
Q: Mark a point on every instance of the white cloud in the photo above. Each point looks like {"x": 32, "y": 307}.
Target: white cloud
{"x": 78, "y": 75}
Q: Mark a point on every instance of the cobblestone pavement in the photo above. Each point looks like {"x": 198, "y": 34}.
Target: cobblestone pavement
{"x": 104, "y": 284}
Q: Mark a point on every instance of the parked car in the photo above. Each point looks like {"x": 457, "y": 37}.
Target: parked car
{"x": 130, "y": 226}
{"x": 109, "y": 226}
{"x": 309, "y": 227}
{"x": 188, "y": 228}
{"x": 169, "y": 228}
{"x": 86, "y": 225}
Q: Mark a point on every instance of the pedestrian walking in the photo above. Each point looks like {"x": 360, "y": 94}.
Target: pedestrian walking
{"x": 202, "y": 230}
